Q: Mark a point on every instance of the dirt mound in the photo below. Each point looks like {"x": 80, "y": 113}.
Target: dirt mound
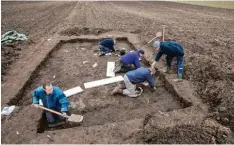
{"x": 214, "y": 83}
{"x": 212, "y": 80}
{"x": 82, "y": 31}
{"x": 225, "y": 113}
{"x": 185, "y": 134}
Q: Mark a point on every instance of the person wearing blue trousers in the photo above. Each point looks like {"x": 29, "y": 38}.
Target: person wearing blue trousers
{"x": 171, "y": 49}
{"x": 53, "y": 98}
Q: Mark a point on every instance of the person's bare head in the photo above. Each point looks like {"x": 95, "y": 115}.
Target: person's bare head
{"x": 47, "y": 86}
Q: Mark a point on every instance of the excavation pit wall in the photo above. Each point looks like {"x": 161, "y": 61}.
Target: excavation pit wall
{"x": 96, "y": 104}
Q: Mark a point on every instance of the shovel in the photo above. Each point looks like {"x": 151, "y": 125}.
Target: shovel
{"x": 163, "y": 31}
{"x": 72, "y": 118}
{"x": 158, "y": 34}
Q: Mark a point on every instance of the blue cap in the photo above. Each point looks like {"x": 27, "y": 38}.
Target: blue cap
{"x": 141, "y": 51}
{"x": 156, "y": 44}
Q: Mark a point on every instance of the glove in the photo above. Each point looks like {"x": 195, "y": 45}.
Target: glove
{"x": 146, "y": 84}
{"x": 35, "y": 105}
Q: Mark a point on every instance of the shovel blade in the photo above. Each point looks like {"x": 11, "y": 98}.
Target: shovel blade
{"x": 75, "y": 118}
{"x": 159, "y": 34}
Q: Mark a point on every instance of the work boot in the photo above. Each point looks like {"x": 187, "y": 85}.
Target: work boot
{"x": 52, "y": 125}
{"x": 55, "y": 124}
{"x": 168, "y": 70}
{"x": 138, "y": 92}
{"x": 179, "y": 78}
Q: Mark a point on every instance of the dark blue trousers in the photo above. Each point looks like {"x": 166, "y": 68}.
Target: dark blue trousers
{"x": 104, "y": 49}
{"x": 180, "y": 60}
{"x": 52, "y": 118}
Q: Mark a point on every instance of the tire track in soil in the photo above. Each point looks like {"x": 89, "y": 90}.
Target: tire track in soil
{"x": 78, "y": 16}
{"x": 92, "y": 19}
{"x": 54, "y": 28}
{"x": 36, "y": 21}
{"x": 70, "y": 17}
{"x": 102, "y": 20}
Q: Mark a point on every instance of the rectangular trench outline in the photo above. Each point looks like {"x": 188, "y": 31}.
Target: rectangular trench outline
{"x": 15, "y": 100}
{"x": 18, "y": 97}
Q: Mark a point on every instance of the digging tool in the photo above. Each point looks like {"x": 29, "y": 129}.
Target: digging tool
{"x": 72, "y": 118}
{"x": 163, "y": 31}
{"x": 158, "y": 34}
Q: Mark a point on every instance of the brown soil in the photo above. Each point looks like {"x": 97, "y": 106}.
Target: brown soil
{"x": 206, "y": 34}
{"x": 100, "y": 108}
{"x": 9, "y": 53}
{"x": 83, "y": 31}
{"x": 185, "y": 134}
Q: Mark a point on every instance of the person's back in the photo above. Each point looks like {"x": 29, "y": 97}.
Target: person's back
{"x": 138, "y": 75}
{"x": 109, "y": 43}
{"x": 171, "y": 48}
{"x": 130, "y": 57}
{"x": 128, "y": 60}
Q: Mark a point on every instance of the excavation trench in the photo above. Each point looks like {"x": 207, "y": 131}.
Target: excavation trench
{"x": 70, "y": 64}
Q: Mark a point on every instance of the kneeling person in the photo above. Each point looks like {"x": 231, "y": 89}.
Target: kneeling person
{"x": 128, "y": 60}
{"x": 134, "y": 77}
{"x": 53, "y": 98}
{"x": 107, "y": 46}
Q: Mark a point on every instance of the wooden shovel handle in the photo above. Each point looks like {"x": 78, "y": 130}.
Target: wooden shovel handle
{"x": 158, "y": 34}
{"x": 163, "y": 31}
{"x": 50, "y": 110}
{"x": 152, "y": 39}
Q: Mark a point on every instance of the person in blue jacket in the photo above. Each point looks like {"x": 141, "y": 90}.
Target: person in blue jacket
{"x": 107, "y": 46}
{"x": 133, "y": 78}
{"x": 171, "y": 49}
{"x": 53, "y": 98}
{"x": 128, "y": 60}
